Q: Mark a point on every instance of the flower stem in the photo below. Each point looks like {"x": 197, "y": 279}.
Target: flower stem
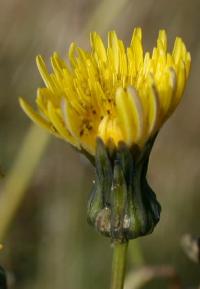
{"x": 118, "y": 265}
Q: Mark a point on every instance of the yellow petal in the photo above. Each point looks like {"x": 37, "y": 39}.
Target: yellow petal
{"x": 71, "y": 54}
{"x": 180, "y": 84}
{"x": 59, "y": 125}
{"x": 98, "y": 46}
{"x": 153, "y": 111}
{"x": 44, "y": 72}
{"x": 162, "y": 41}
{"x": 114, "y": 46}
{"x": 130, "y": 114}
{"x": 136, "y": 45}
{"x": 35, "y": 117}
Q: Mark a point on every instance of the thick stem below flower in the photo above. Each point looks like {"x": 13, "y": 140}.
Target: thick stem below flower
{"x": 118, "y": 265}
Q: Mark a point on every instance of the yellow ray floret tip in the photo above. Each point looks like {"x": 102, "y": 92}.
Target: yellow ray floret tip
{"x": 35, "y": 117}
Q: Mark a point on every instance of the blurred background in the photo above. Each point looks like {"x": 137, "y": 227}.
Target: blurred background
{"x": 47, "y": 241}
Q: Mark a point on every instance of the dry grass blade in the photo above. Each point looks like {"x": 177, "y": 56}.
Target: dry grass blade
{"x": 20, "y": 175}
{"x": 141, "y": 277}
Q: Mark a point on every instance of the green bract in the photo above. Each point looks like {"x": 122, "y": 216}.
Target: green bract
{"x": 122, "y": 205}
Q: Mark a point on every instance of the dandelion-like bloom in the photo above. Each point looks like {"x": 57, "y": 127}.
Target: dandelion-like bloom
{"x": 111, "y": 92}
{"x": 110, "y": 103}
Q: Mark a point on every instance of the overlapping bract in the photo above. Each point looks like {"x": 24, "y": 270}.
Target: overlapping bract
{"x": 111, "y": 92}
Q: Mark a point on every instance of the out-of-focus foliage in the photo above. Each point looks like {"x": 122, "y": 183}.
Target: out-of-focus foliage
{"x": 49, "y": 244}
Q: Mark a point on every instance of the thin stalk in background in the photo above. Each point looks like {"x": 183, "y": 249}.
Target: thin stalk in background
{"x": 20, "y": 175}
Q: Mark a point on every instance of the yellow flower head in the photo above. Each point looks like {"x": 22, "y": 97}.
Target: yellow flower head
{"x": 111, "y": 92}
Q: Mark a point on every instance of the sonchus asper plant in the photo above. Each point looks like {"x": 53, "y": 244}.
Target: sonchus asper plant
{"x": 110, "y": 103}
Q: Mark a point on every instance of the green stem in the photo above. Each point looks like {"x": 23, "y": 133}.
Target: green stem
{"x": 118, "y": 265}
